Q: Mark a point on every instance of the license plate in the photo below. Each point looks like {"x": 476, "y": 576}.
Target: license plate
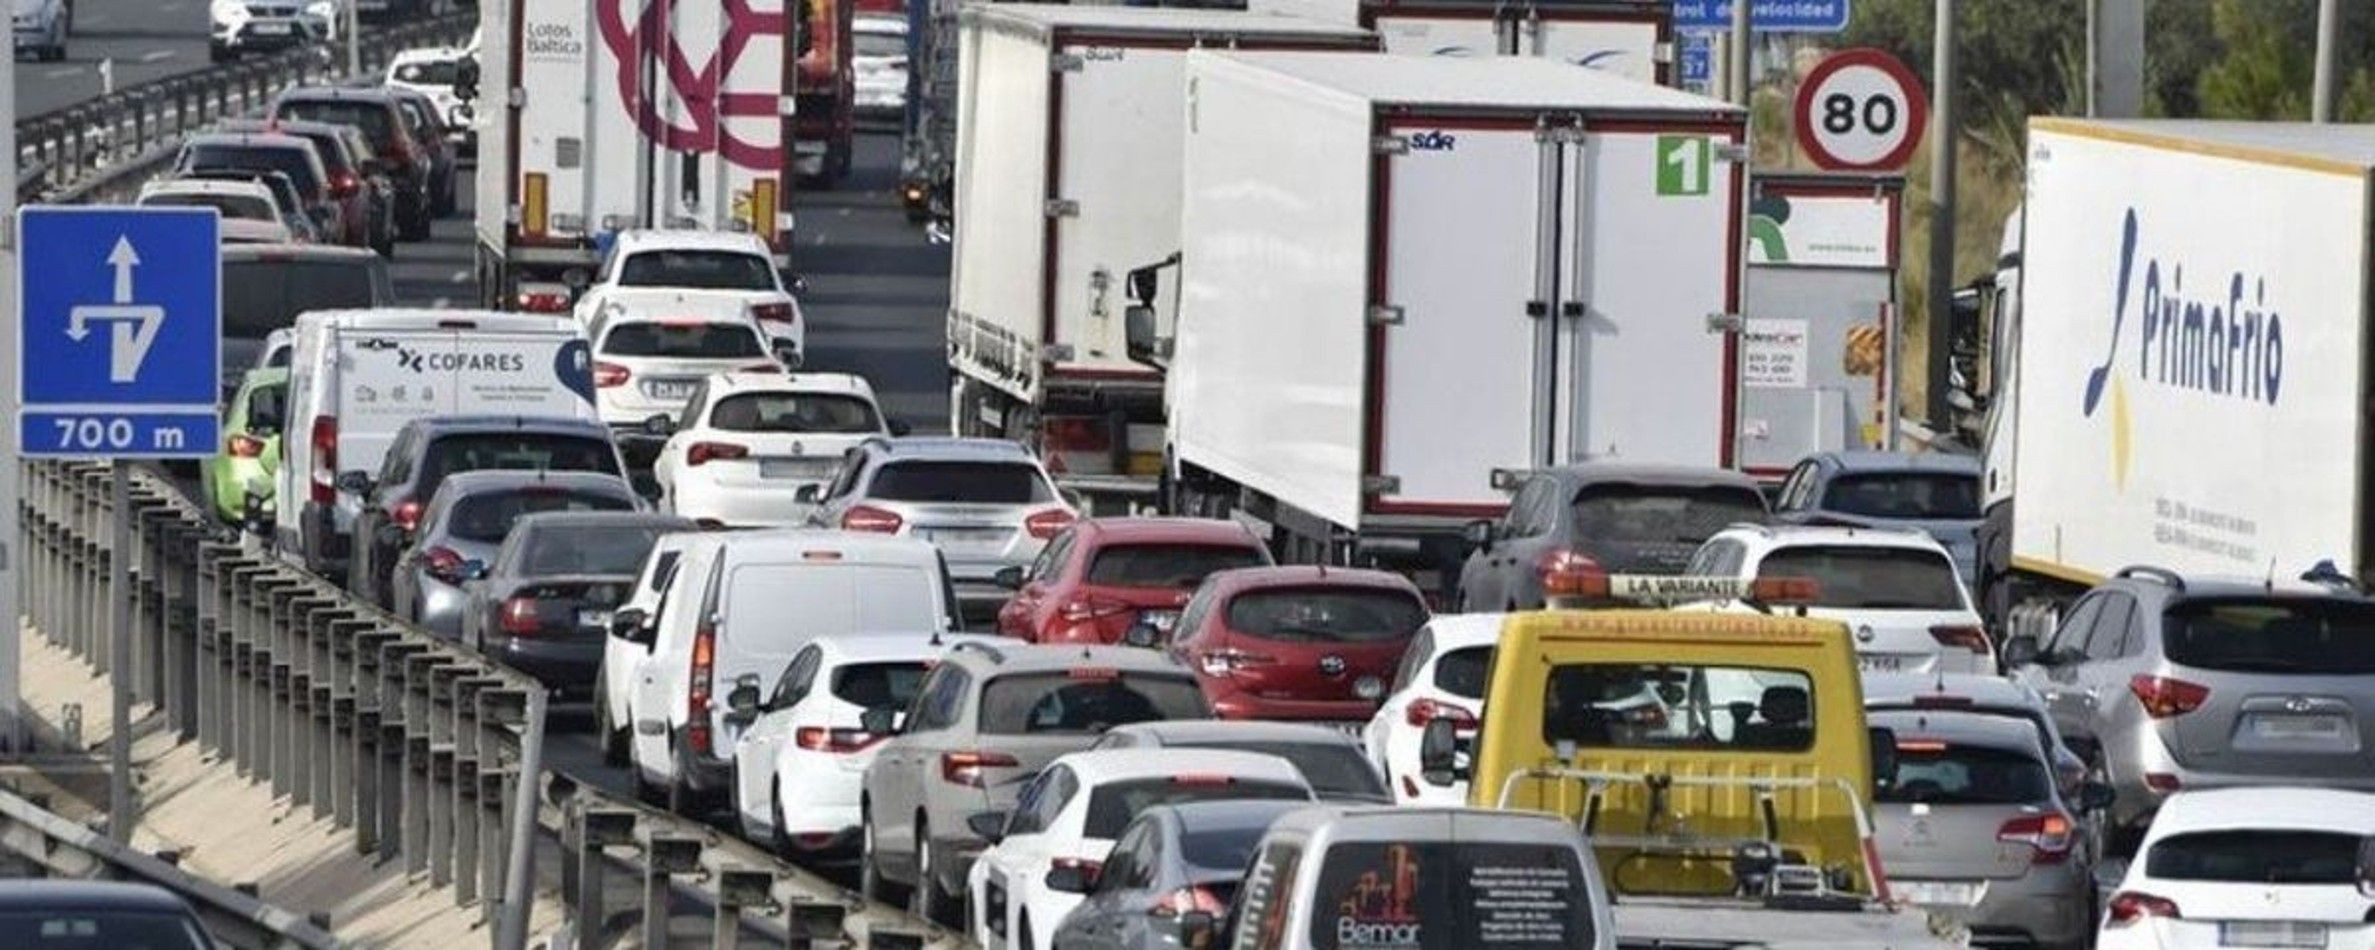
{"x": 1352, "y": 729}
{"x": 670, "y": 389}
{"x": 598, "y": 619}
{"x": 1937, "y": 893}
{"x": 2270, "y": 933}
{"x": 272, "y": 29}
{"x": 798, "y": 468}
{"x": 1161, "y": 620}
{"x": 1880, "y": 663}
{"x": 964, "y": 535}
{"x": 2298, "y": 727}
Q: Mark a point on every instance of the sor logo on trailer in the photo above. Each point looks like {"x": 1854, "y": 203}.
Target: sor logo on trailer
{"x": 1435, "y": 140}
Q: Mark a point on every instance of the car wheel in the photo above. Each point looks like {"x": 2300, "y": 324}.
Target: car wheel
{"x": 607, "y": 732}
{"x": 928, "y": 901}
{"x": 871, "y": 883}
{"x": 777, "y": 836}
{"x": 645, "y": 791}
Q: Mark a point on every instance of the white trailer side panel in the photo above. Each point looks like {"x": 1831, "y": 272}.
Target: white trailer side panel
{"x": 1001, "y": 195}
{"x": 1121, "y": 136}
{"x": 1628, "y": 48}
{"x": 1267, "y": 377}
{"x": 2191, "y": 352}
{"x": 1439, "y": 36}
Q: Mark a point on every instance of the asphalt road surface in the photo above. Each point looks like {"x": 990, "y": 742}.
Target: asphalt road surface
{"x": 146, "y": 40}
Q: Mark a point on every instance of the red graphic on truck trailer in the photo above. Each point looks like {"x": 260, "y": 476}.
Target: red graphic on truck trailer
{"x": 695, "y": 87}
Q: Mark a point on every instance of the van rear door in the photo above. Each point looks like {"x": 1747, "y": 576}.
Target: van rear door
{"x": 389, "y": 377}
{"x": 774, "y": 608}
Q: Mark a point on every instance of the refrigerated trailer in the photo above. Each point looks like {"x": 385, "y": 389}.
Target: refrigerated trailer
{"x": 1069, "y": 129}
{"x": 598, "y": 119}
{"x": 1631, "y": 38}
{"x": 1409, "y": 278}
{"x": 1817, "y": 344}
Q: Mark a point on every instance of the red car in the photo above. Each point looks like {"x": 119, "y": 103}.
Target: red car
{"x": 1308, "y": 643}
{"x": 1104, "y": 576}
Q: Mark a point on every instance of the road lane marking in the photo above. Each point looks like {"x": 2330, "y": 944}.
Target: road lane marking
{"x": 157, "y": 56}
{"x": 62, "y": 72}
{"x": 440, "y": 303}
{"x": 460, "y": 277}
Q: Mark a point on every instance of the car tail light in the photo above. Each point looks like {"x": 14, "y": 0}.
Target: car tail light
{"x": 521, "y": 616}
{"x": 1962, "y": 635}
{"x": 1049, "y": 523}
{"x": 1229, "y": 660}
{"x": 704, "y": 452}
{"x": 1566, "y": 573}
{"x": 407, "y": 515}
{"x": 1423, "y": 711}
{"x": 1083, "y": 609}
{"x": 2049, "y": 834}
{"x": 2128, "y": 907}
{"x": 443, "y": 563}
{"x": 344, "y": 185}
{"x": 836, "y": 741}
{"x": 325, "y": 460}
{"x": 703, "y": 676}
{"x": 1202, "y": 780}
{"x": 2164, "y": 697}
{"x": 964, "y": 768}
{"x": 869, "y": 518}
{"x": 245, "y": 446}
{"x": 1189, "y": 899}
{"x": 608, "y": 375}
{"x": 544, "y": 301}
{"x": 777, "y": 312}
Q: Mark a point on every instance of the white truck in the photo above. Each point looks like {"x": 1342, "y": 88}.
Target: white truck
{"x": 594, "y": 120}
{"x": 1631, "y": 38}
{"x": 1408, "y": 278}
{"x": 1069, "y": 130}
{"x": 2179, "y": 358}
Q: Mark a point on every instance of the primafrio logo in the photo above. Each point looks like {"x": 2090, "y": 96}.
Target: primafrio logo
{"x": 2224, "y": 338}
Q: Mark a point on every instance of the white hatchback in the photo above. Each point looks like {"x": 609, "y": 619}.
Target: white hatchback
{"x": 648, "y": 365}
{"x": 747, "y": 443}
{"x": 1897, "y": 591}
{"x": 2250, "y": 867}
{"x": 1441, "y": 677}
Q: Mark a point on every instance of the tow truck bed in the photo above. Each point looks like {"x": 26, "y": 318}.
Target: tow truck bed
{"x": 1721, "y": 923}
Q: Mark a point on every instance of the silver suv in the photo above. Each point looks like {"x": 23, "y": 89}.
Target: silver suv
{"x": 986, "y": 503}
{"x": 987, "y": 719}
{"x": 2172, "y": 683}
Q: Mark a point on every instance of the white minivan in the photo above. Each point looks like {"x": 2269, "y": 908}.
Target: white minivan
{"x": 742, "y": 604}
{"x": 356, "y": 376}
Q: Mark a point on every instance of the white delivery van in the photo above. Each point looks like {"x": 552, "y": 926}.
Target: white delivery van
{"x": 743, "y": 603}
{"x": 356, "y": 376}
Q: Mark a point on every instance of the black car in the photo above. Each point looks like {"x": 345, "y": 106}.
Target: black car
{"x": 1173, "y": 865}
{"x": 265, "y": 287}
{"x": 543, "y": 605}
{"x": 382, "y": 121}
{"x": 356, "y": 177}
{"x": 436, "y": 137}
{"x": 1623, "y": 519}
{"x": 63, "y": 913}
{"x": 427, "y": 451}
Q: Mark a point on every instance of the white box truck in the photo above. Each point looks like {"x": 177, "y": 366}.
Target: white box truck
{"x": 1069, "y": 129}
{"x": 1631, "y": 38}
{"x": 597, "y": 117}
{"x": 2181, "y": 367}
{"x": 1407, "y": 278}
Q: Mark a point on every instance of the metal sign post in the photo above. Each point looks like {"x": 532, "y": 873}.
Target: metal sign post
{"x": 12, "y": 731}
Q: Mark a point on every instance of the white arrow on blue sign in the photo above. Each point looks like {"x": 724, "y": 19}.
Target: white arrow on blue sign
{"x": 1771, "y": 16}
{"x": 121, "y": 316}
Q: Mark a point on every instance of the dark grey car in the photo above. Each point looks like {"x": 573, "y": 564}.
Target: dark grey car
{"x": 543, "y": 605}
{"x": 1637, "y": 519}
{"x": 468, "y": 519}
{"x": 1170, "y": 862}
{"x": 66, "y": 913}
{"x": 1932, "y": 492}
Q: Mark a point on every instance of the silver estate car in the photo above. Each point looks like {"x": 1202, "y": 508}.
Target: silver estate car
{"x": 466, "y": 523}
{"x": 986, "y": 503}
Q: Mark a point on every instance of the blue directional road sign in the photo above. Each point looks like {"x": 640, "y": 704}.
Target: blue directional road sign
{"x": 1771, "y": 16}
{"x": 1698, "y": 59}
{"x": 121, "y": 315}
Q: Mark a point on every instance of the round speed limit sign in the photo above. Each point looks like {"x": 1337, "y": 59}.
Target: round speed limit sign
{"x": 1860, "y": 110}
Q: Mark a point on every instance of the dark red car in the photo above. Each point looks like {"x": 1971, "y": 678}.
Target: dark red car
{"x": 1103, "y": 576}
{"x": 1306, "y": 642}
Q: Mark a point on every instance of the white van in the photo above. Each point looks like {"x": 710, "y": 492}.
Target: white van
{"x": 742, "y": 604}
{"x": 356, "y": 376}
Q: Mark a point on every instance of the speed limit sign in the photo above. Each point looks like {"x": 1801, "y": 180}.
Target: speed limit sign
{"x": 1860, "y": 110}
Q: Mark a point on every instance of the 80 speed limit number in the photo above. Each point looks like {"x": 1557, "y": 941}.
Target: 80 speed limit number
{"x": 1860, "y": 110}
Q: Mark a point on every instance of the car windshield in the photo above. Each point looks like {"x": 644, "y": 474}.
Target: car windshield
{"x": 1461, "y": 672}
{"x": 1332, "y": 768}
{"x": 2255, "y": 856}
{"x": 1660, "y": 706}
{"x": 1661, "y": 513}
{"x": 700, "y": 270}
{"x": 2272, "y": 635}
{"x": 1086, "y": 701}
{"x": 795, "y": 413}
{"x": 879, "y": 685}
{"x": 684, "y": 341}
{"x": 1858, "y": 577}
{"x": 512, "y": 451}
{"x": 1915, "y": 496}
{"x": 1443, "y": 895}
{"x": 487, "y": 517}
{"x": 432, "y": 72}
{"x": 371, "y": 117}
{"x": 98, "y": 930}
{"x": 613, "y": 549}
{"x": 1951, "y": 773}
{"x": 294, "y": 161}
{"x": 267, "y": 293}
{"x": 880, "y": 45}
{"x": 1167, "y": 566}
{"x": 1326, "y": 615}
{"x": 977, "y": 483}
{"x": 1113, "y": 804}
{"x": 243, "y": 207}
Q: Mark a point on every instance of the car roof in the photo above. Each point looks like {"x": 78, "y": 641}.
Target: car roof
{"x": 1839, "y": 536}
{"x": 1587, "y": 473}
{"x": 1960, "y": 728}
{"x": 1099, "y": 766}
{"x": 206, "y": 186}
{"x": 798, "y": 543}
{"x": 1305, "y": 575}
{"x": 2272, "y": 587}
{"x": 658, "y": 239}
{"x": 1903, "y": 688}
{"x": 59, "y": 894}
{"x": 1254, "y": 814}
{"x": 1202, "y": 731}
{"x": 416, "y": 318}
{"x": 772, "y": 382}
{"x": 444, "y": 425}
{"x": 299, "y": 252}
{"x": 492, "y": 480}
{"x": 1460, "y": 631}
{"x": 1179, "y": 530}
{"x": 337, "y": 94}
{"x": 1877, "y": 461}
{"x": 1017, "y": 657}
{"x": 1363, "y": 822}
{"x": 951, "y": 447}
{"x": 604, "y": 519}
{"x": 2266, "y": 806}
{"x": 257, "y": 139}
{"x": 889, "y": 645}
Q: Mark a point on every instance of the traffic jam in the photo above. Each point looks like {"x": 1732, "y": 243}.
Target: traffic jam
{"x": 1383, "y": 501}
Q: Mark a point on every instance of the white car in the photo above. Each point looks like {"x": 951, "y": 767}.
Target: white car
{"x": 750, "y": 441}
{"x": 431, "y": 71}
{"x": 262, "y": 26}
{"x": 41, "y": 26}
{"x": 249, "y": 213}
{"x": 880, "y": 61}
{"x": 2250, "y": 867}
{"x": 663, "y": 268}
{"x": 1441, "y": 677}
{"x": 620, "y": 654}
{"x": 1069, "y": 816}
{"x": 649, "y": 363}
{"x": 1898, "y": 591}
{"x": 799, "y": 768}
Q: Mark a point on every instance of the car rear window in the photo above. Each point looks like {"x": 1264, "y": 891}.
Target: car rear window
{"x": 683, "y": 341}
{"x": 1461, "y": 672}
{"x": 78, "y": 929}
{"x": 267, "y": 293}
{"x": 243, "y": 207}
{"x": 2256, "y": 856}
{"x": 1224, "y": 850}
{"x": 795, "y": 413}
{"x": 1869, "y": 578}
{"x": 1441, "y": 895}
{"x": 330, "y": 148}
{"x": 372, "y": 117}
{"x": 1907, "y": 495}
{"x": 1112, "y": 805}
{"x": 1170, "y": 566}
{"x": 487, "y": 517}
{"x": 2271, "y": 635}
{"x": 879, "y": 685}
{"x": 1944, "y": 773}
{"x": 980, "y": 483}
{"x": 512, "y": 451}
{"x": 703, "y": 270}
{"x": 1326, "y": 615}
{"x": 290, "y": 161}
{"x": 1678, "y": 706}
{"x": 614, "y": 549}
{"x": 880, "y": 44}
{"x": 1085, "y": 701}
{"x": 1330, "y": 768}
{"x": 1663, "y": 513}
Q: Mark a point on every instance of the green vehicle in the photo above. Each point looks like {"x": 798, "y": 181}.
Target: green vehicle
{"x": 250, "y": 457}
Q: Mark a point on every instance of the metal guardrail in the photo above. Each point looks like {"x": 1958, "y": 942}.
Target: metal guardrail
{"x": 417, "y": 744}
{"x": 102, "y": 149}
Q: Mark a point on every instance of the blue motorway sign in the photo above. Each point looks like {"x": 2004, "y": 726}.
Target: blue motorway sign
{"x": 1772, "y": 16}
{"x": 120, "y": 312}
{"x": 1697, "y": 59}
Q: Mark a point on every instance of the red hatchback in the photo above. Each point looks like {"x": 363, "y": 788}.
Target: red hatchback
{"x": 1103, "y": 577}
{"x": 1308, "y": 643}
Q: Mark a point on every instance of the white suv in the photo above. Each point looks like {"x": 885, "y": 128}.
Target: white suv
{"x": 263, "y": 26}
{"x": 41, "y": 26}
{"x": 748, "y": 442}
{"x": 1441, "y": 677}
{"x": 1897, "y": 591}
{"x": 673, "y": 269}
{"x": 649, "y": 363}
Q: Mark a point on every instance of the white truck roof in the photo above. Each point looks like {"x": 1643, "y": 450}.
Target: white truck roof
{"x": 398, "y": 318}
{"x": 1041, "y": 20}
{"x": 2284, "y": 143}
{"x": 1489, "y": 82}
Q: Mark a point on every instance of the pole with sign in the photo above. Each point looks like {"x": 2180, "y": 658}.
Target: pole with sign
{"x": 1860, "y": 110}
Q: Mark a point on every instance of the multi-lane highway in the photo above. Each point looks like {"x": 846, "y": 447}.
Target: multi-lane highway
{"x": 143, "y": 39}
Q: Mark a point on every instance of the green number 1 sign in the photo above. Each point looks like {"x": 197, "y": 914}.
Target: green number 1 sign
{"x": 1682, "y": 165}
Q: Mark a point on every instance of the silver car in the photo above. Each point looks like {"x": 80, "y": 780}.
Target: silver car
{"x": 1977, "y": 693}
{"x": 1972, "y": 827}
{"x": 2187, "y": 683}
{"x": 466, "y": 523}
{"x": 988, "y": 504}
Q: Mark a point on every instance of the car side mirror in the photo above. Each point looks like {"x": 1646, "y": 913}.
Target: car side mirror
{"x": 989, "y": 826}
{"x": 1480, "y": 534}
{"x": 660, "y": 426}
{"x": 899, "y": 427}
{"x": 1438, "y": 752}
{"x": 2095, "y": 796}
{"x": 797, "y": 283}
{"x": 1884, "y": 756}
{"x": 807, "y": 494}
{"x": 743, "y": 699}
{"x": 354, "y": 483}
{"x": 1070, "y": 879}
{"x": 2021, "y": 651}
{"x": 881, "y": 721}
{"x": 2366, "y": 866}
{"x": 628, "y": 625}
{"x": 1010, "y": 578}
{"x": 1139, "y": 337}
